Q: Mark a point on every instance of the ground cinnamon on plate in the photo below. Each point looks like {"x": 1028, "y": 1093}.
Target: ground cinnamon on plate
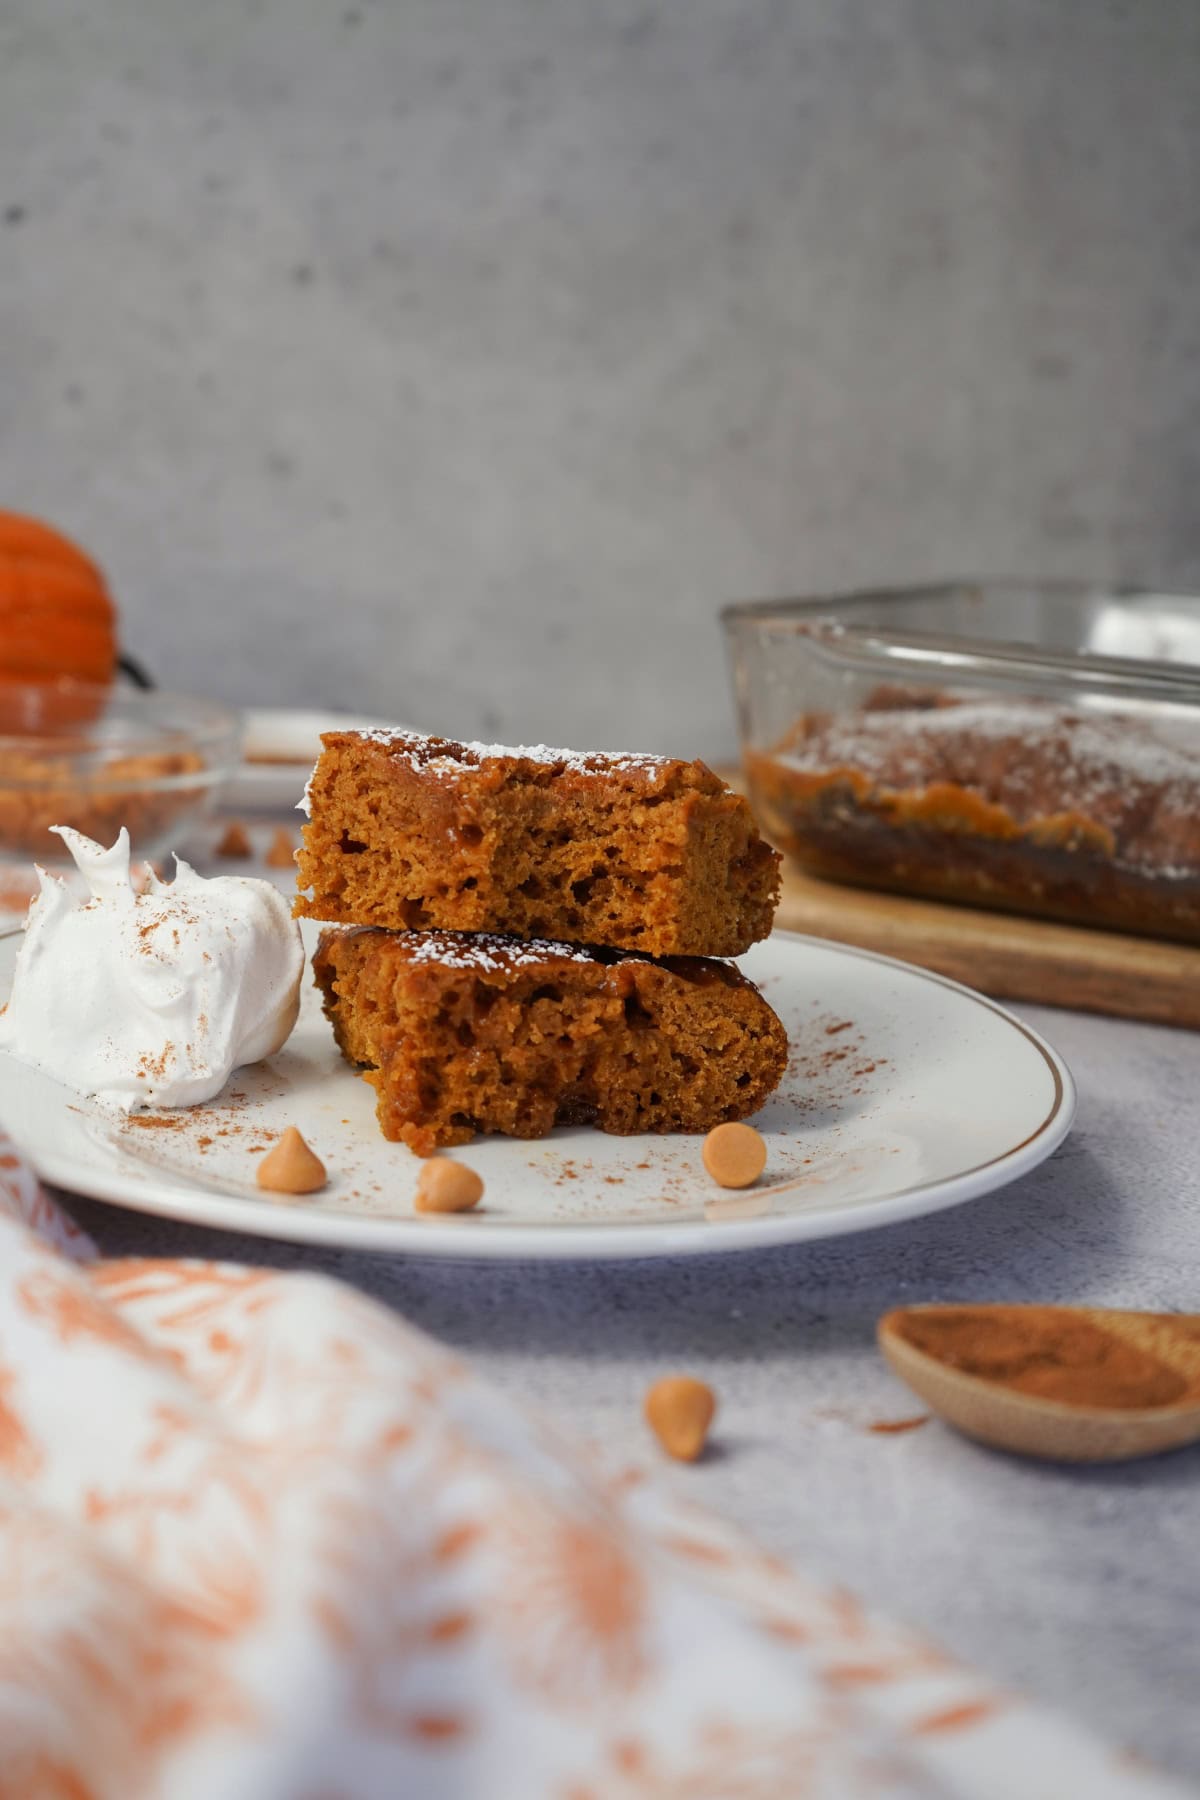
{"x": 1044, "y": 1350}
{"x": 892, "y": 1427}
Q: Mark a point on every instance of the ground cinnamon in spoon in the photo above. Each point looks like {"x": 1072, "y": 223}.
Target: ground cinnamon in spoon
{"x": 1046, "y": 1351}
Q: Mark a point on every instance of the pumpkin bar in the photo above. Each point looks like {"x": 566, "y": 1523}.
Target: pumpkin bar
{"x": 462, "y": 1033}
{"x": 634, "y": 852}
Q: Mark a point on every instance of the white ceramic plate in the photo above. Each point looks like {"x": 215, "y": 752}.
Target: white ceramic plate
{"x": 279, "y": 747}
{"x": 906, "y": 1093}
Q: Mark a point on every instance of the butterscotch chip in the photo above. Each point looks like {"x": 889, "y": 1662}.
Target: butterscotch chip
{"x": 282, "y": 851}
{"x": 447, "y": 1186}
{"x": 234, "y": 841}
{"x": 634, "y": 852}
{"x": 290, "y": 1167}
{"x": 734, "y": 1155}
{"x": 680, "y": 1410}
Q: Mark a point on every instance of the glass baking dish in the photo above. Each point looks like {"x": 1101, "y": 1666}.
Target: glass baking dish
{"x": 1031, "y": 746}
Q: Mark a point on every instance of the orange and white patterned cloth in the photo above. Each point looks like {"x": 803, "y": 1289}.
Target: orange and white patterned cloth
{"x": 260, "y": 1540}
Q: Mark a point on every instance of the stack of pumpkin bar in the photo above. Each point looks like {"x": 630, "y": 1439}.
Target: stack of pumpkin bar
{"x": 534, "y": 935}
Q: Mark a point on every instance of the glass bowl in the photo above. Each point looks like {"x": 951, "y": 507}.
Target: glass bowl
{"x": 1030, "y": 746}
{"x": 98, "y": 758}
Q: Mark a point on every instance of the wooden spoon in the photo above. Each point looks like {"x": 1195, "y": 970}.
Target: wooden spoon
{"x": 1055, "y": 1429}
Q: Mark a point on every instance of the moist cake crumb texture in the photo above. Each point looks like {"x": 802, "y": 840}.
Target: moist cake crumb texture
{"x": 633, "y": 852}
{"x": 459, "y": 1038}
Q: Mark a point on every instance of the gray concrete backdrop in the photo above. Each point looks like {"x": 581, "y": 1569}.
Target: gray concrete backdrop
{"x": 455, "y": 359}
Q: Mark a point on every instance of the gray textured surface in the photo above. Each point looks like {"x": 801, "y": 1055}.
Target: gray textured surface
{"x": 1082, "y": 1586}
{"x": 456, "y": 358}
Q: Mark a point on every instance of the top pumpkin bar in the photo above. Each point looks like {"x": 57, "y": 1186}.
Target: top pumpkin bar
{"x": 634, "y": 852}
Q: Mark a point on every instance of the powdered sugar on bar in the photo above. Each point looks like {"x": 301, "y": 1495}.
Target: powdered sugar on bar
{"x": 449, "y": 756}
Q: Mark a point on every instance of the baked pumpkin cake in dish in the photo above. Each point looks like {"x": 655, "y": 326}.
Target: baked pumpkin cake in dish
{"x": 633, "y": 852}
{"x": 462, "y": 1033}
{"x": 1085, "y": 816}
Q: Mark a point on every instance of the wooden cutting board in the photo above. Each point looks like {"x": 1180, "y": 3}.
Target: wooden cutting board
{"x": 1009, "y": 957}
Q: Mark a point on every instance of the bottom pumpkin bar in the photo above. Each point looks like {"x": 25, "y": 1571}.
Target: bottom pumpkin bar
{"x": 461, "y": 1032}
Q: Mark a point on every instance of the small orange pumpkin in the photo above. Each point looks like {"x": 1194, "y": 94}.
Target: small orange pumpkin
{"x": 56, "y": 614}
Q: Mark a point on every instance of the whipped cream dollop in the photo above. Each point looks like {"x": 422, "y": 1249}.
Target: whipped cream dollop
{"x": 151, "y": 998}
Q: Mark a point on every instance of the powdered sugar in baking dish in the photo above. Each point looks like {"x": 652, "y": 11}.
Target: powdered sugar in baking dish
{"x": 1094, "y": 746}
